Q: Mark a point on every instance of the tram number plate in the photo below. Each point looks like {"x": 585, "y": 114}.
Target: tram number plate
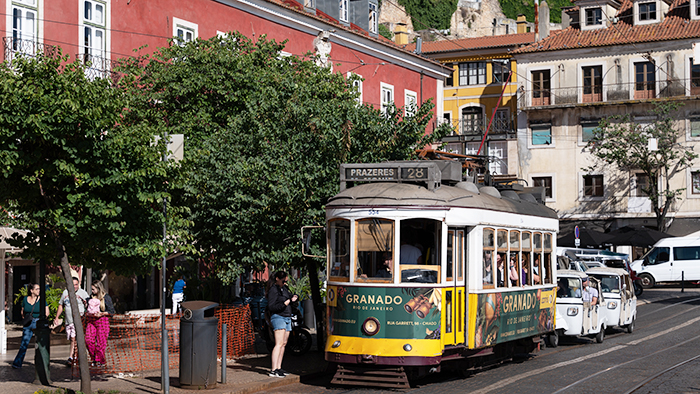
{"x": 414, "y": 173}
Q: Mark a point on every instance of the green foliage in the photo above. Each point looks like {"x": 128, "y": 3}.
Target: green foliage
{"x": 513, "y": 8}
{"x": 53, "y": 296}
{"x": 265, "y": 135}
{"x": 74, "y": 173}
{"x": 620, "y": 142}
{"x": 385, "y": 32}
{"x": 427, "y": 14}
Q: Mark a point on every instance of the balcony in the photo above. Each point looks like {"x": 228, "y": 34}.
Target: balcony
{"x": 599, "y": 94}
{"x": 15, "y": 48}
{"x": 96, "y": 66}
{"x": 467, "y": 130}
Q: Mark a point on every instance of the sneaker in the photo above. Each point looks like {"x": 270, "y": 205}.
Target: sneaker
{"x": 69, "y": 361}
{"x": 276, "y": 374}
{"x": 283, "y": 372}
{"x": 16, "y": 367}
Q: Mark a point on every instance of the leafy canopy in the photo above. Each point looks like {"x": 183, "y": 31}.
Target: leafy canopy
{"x": 265, "y": 134}
{"x": 73, "y": 172}
{"x": 620, "y": 142}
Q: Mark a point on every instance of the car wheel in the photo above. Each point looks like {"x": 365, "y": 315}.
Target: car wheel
{"x": 638, "y": 289}
{"x": 553, "y": 339}
{"x": 601, "y": 335}
{"x": 630, "y": 327}
{"x": 647, "y": 281}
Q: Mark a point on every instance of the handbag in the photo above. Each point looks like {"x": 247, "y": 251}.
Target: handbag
{"x": 28, "y": 319}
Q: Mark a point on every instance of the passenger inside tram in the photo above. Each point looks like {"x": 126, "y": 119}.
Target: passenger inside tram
{"x": 419, "y": 253}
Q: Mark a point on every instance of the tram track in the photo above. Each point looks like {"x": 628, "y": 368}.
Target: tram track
{"x": 665, "y": 371}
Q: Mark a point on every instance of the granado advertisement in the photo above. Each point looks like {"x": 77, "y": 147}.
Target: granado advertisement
{"x": 507, "y": 316}
{"x": 389, "y": 312}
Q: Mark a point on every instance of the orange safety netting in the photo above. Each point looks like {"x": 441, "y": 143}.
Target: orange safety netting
{"x": 134, "y": 341}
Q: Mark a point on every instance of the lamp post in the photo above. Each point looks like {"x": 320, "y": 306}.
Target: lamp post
{"x": 175, "y": 144}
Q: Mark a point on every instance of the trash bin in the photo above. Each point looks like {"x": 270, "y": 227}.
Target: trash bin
{"x": 198, "y": 343}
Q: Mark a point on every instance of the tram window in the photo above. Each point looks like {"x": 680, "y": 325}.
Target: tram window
{"x": 547, "y": 242}
{"x": 502, "y": 241}
{"x": 375, "y": 244}
{"x": 537, "y": 271}
{"x": 527, "y": 269}
{"x": 501, "y": 272}
{"x": 537, "y": 242}
{"x": 450, "y": 255}
{"x": 448, "y": 311}
{"x": 460, "y": 255}
{"x": 526, "y": 241}
{"x": 514, "y": 269}
{"x": 548, "y": 268}
{"x": 339, "y": 248}
{"x": 488, "y": 260}
{"x": 420, "y": 250}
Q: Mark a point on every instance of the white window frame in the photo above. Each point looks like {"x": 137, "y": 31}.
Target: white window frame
{"x": 551, "y": 175}
{"x": 580, "y": 140}
{"x": 385, "y": 87}
{"x": 582, "y": 185}
{"x": 689, "y": 183}
{"x": 689, "y": 117}
{"x": 633, "y": 184}
{"x": 95, "y": 26}
{"x": 32, "y": 7}
{"x": 358, "y": 85}
{"x": 543, "y": 146}
{"x": 638, "y": 21}
{"x": 584, "y": 18}
{"x": 373, "y": 18}
{"x": 694, "y": 10}
{"x": 408, "y": 96}
{"x": 343, "y": 10}
{"x": 181, "y": 24}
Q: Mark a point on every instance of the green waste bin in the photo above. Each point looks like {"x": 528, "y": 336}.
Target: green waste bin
{"x": 198, "y": 343}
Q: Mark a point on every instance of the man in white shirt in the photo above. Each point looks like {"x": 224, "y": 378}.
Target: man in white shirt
{"x": 82, "y": 296}
{"x": 410, "y": 254}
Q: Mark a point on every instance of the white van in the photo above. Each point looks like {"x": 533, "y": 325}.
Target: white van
{"x": 670, "y": 260}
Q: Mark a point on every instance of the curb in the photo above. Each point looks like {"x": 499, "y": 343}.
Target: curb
{"x": 259, "y": 386}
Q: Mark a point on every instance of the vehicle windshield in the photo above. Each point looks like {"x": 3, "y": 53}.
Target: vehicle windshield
{"x": 569, "y": 288}
{"x": 657, "y": 256}
{"x": 608, "y": 283}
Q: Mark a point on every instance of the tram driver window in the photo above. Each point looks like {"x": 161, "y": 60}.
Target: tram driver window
{"x": 419, "y": 253}
{"x": 489, "y": 270}
{"x": 375, "y": 257}
{"x": 339, "y": 249}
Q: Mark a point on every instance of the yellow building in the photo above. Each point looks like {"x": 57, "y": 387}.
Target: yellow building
{"x": 481, "y": 95}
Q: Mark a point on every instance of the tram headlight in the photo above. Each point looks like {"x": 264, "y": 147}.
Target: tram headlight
{"x": 370, "y": 326}
{"x": 612, "y": 305}
{"x": 572, "y": 311}
{"x": 407, "y": 347}
{"x": 335, "y": 344}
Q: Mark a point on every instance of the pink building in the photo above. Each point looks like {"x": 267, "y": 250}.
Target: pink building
{"x": 106, "y": 30}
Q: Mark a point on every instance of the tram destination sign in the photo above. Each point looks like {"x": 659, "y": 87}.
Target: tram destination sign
{"x": 428, "y": 172}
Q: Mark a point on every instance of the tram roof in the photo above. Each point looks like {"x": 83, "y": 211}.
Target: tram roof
{"x": 406, "y": 194}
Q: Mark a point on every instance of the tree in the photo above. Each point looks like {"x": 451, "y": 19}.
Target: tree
{"x": 619, "y": 141}
{"x": 266, "y": 134}
{"x": 84, "y": 184}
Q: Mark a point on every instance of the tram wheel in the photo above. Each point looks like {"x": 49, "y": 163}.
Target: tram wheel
{"x": 630, "y": 327}
{"x": 600, "y": 337}
{"x": 647, "y": 281}
{"x": 553, "y": 339}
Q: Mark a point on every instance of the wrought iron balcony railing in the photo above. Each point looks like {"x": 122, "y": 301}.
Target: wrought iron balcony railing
{"x": 96, "y": 66}
{"x": 14, "y": 48}
{"x": 473, "y": 129}
{"x": 609, "y": 93}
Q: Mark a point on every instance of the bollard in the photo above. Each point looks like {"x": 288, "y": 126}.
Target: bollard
{"x": 682, "y": 281}
{"x": 223, "y": 354}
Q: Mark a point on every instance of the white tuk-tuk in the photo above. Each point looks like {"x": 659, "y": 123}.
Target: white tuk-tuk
{"x": 618, "y": 289}
{"x": 574, "y": 317}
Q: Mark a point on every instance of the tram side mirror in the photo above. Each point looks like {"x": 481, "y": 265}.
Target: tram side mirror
{"x": 308, "y": 233}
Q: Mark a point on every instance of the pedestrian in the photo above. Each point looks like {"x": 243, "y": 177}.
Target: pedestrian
{"x": 64, "y": 304}
{"x": 98, "y": 324}
{"x": 178, "y": 293}
{"x": 279, "y": 300}
{"x": 31, "y": 311}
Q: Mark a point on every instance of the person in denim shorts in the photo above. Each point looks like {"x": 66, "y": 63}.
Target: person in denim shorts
{"x": 279, "y": 300}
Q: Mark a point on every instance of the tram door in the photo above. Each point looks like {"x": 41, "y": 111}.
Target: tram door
{"x": 455, "y": 298}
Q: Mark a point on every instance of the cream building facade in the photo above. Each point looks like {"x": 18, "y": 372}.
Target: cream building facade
{"x": 611, "y": 58}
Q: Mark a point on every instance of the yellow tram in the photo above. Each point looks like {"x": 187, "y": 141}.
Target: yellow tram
{"x": 426, "y": 271}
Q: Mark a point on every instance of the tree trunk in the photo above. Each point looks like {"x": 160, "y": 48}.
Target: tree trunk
{"x": 85, "y": 384}
{"x": 312, "y": 267}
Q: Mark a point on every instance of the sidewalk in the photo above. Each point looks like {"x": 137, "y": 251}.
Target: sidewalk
{"x": 243, "y": 376}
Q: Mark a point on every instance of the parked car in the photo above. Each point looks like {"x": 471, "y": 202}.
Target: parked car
{"x": 620, "y": 301}
{"x": 670, "y": 260}
{"x": 572, "y": 317}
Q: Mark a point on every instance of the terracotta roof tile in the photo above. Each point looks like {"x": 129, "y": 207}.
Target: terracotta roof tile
{"x": 676, "y": 25}
{"x": 505, "y": 40}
